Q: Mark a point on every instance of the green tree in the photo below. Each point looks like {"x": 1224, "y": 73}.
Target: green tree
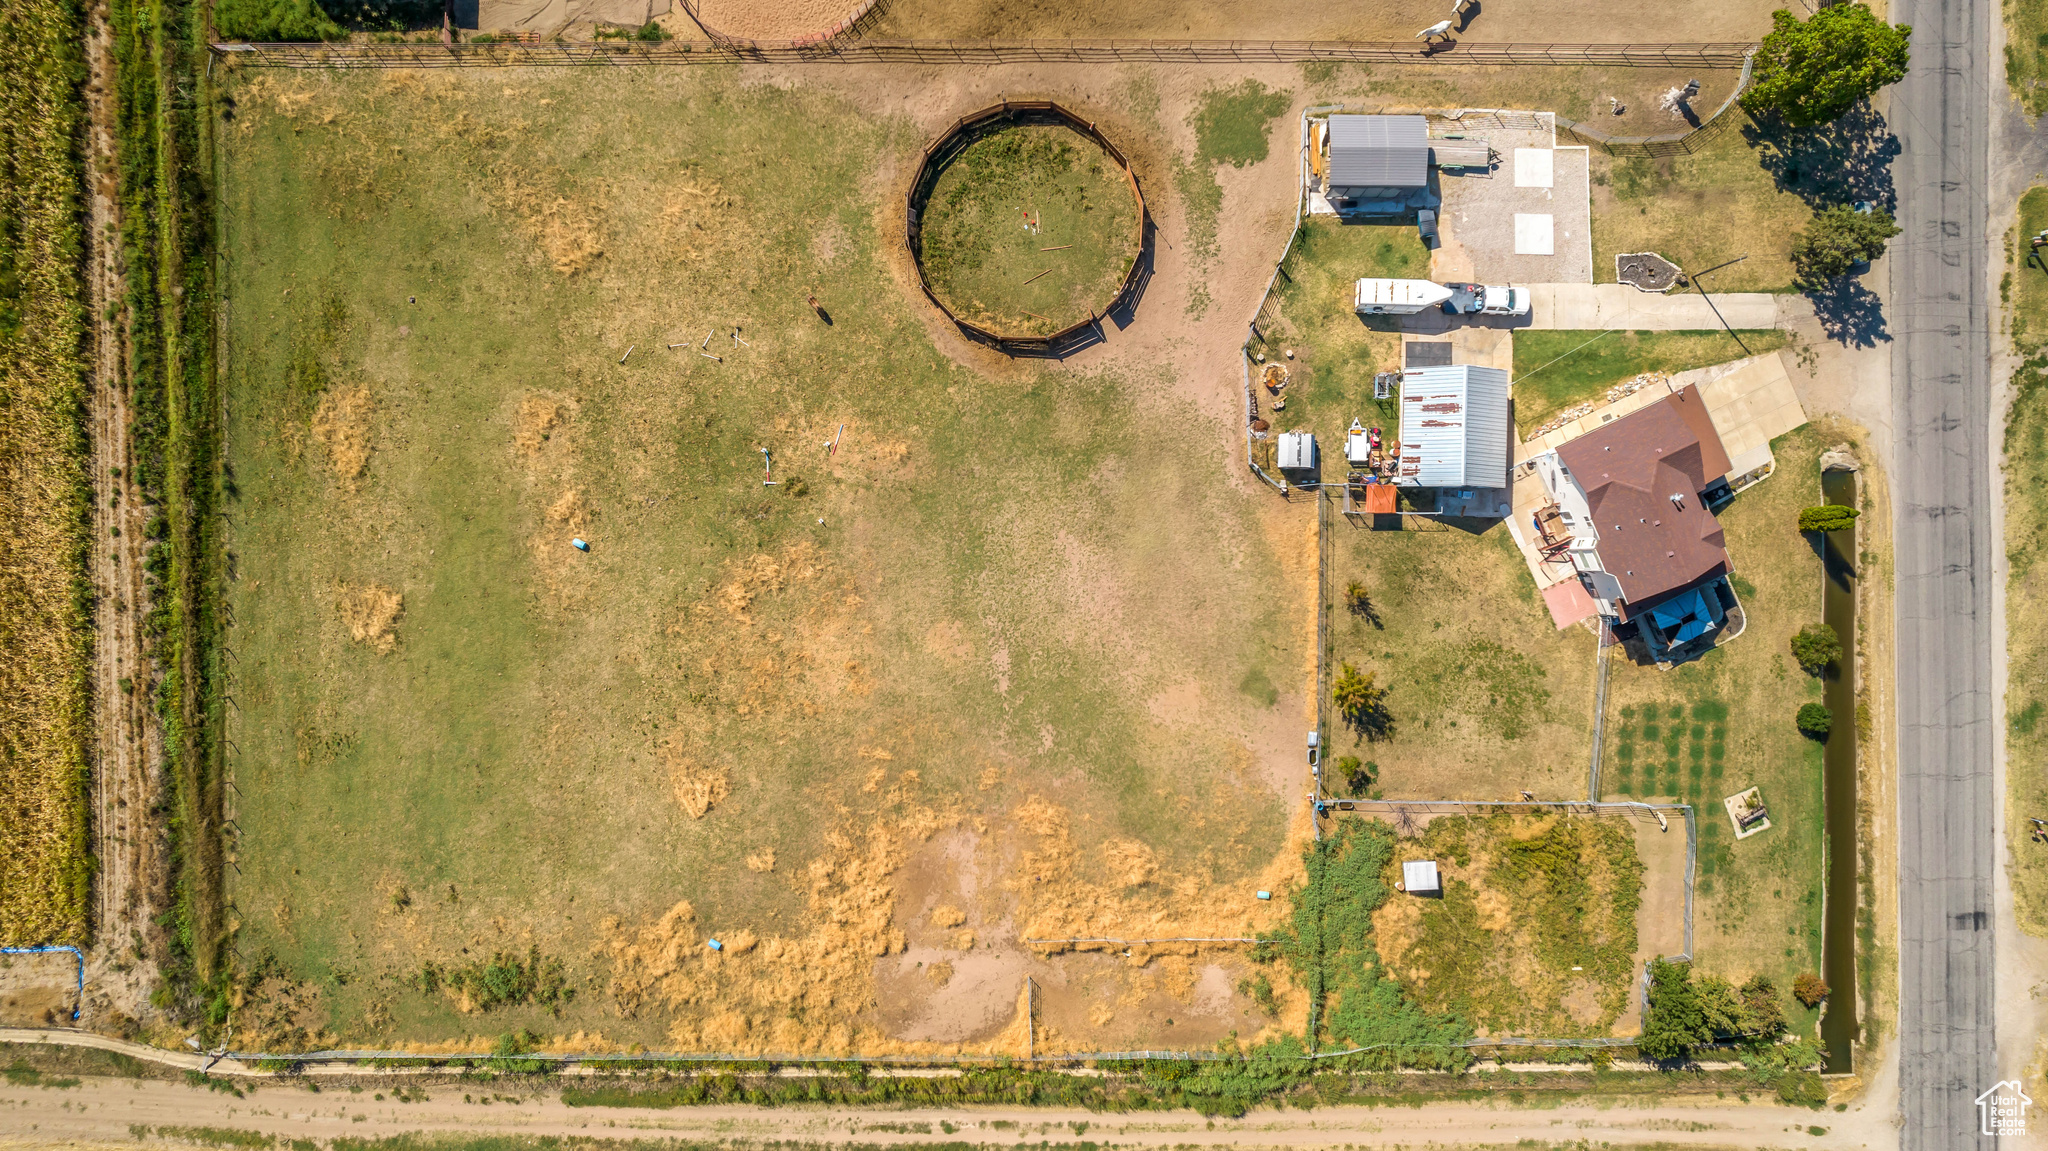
{"x": 1809, "y": 72}
{"x": 1361, "y": 702}
{"x": 1827, "y": 518}
{"x": 1675, "y": 1022}
{"x": 1835, "y": 239}
{"x": 1763, "y": 1014}
{"x": 1815, "y": 720}
{"x": 1816, "y": 646}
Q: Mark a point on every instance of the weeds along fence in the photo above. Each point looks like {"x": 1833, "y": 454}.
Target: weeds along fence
{"x": 568, "y": 53}
{"x": 1325, "y": 806}
{"x": 942, "y": 151}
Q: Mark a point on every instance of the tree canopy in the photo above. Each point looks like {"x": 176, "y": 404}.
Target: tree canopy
{"x": 1815, "y": 720}
{"x": 1809, "y": 72}
{"x": 1816, "y": 646}
{"x": 1835, "y": 239}
{"x": 274, "y": 21}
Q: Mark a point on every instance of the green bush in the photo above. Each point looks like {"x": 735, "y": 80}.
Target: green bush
{"x": 1809, "y": 72}
{"x": 271, "y": 21}
{"x": 1803, "y": 1089}
{"x": 1676, "y": 1022}
{"x": 1816, "y": 646}
{"x": 1815, "y": 720}
{"x": 1827, "y": 518}
{"x": 1835, "y": 240}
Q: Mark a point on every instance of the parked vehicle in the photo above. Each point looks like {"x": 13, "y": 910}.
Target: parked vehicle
{"x": 1486, "y": 300}
{"x": 1398, "y": 297}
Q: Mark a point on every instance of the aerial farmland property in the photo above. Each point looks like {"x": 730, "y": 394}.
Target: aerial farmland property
{"x": 1138, "y": 581}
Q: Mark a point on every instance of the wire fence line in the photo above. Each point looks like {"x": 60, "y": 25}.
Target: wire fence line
{"x": 603, "y": 53}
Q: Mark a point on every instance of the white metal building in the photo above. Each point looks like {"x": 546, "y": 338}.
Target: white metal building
{"x": 1419, "y": 877}
{"x": 1454, "y": 427}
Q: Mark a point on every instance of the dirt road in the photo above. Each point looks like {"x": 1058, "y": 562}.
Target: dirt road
{"x": 124, "y": 836}
{"x": 105, "y": 1109}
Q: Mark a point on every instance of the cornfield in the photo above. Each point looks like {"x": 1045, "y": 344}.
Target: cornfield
{"x": 45, "y": 518}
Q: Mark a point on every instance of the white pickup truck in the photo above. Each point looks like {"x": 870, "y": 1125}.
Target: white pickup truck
{"x": 1377, "y": 297}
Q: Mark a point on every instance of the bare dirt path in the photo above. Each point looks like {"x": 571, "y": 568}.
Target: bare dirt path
{"x": 124, "y": 835}
{"x": 105, "y": 1109}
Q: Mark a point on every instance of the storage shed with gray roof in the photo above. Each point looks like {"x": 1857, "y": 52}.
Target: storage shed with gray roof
{"x": 1383, "y": 154}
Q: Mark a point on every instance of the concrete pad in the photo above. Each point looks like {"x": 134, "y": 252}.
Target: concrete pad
{"x": 1597, "y": 306}
{"x": 1568, "y": 603}
{"x": 1534, "y": 234}
{"x": 1533, "y": 167}
{"x": 1478, "y": 219}
{"x": 1752, "y": 405}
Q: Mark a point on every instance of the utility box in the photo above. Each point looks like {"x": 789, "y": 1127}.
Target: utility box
{"x": 1298, "y": 453}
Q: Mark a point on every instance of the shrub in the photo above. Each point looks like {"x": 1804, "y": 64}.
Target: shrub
{"x": 1803, "y": 1089}
{"x": 1809, "y": 989}
{"x": 274, "y": 21}
{"x": 1809, "y": 72}
{"x": 1827, "y": 518}
{"x": 1816, "y": 646}
{"x": 1361, "y": 702}
{"x": 1357, "y": 776}
{"x": 1815, "y": 720}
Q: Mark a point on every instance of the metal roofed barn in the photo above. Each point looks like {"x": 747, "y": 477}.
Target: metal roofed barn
{"x": 1454, "y": 427}
{"x": 1378, "y": 152}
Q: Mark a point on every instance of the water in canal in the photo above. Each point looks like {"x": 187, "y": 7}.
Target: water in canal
{"x": 1838, "y": 939}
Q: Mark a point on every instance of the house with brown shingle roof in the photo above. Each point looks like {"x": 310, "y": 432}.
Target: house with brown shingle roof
{"x": 1634, "y": 496}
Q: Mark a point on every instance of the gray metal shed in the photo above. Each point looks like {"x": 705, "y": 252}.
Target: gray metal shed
{"x": 1454, "y": 427}
{"x": 1379, "y": 152}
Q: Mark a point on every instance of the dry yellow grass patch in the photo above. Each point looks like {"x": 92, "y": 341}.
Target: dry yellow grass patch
{"x": 342, "y": 425}
{"x": 370, "y": 612}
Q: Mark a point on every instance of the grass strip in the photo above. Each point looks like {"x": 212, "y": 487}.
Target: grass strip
{"x": 45, "y": 498}
{"x": 1557, "y": 368}
{"x": 165, "y": 147}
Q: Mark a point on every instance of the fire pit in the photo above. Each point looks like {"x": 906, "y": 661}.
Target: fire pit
{"x": 1648, "y": 271}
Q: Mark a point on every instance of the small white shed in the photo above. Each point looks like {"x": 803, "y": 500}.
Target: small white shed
{"x": 1298, "y": 452}
{"x": 1418, "y": 877}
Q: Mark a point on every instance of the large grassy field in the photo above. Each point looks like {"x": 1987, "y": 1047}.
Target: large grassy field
{"x": 488, "y": 781}
{"x": 1556, "y": 368}
{"x": 1715, "y": 726}
{"x": 1029, "y": 230}
{"x": 45, "y": 521}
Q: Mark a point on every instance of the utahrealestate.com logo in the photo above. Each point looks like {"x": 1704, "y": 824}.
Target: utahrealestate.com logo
{"x": 2003, "y": 1109}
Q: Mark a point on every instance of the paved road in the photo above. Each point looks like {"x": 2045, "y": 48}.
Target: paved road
{"x": 1941, "y": 322}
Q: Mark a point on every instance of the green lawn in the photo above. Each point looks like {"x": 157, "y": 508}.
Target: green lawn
{"x": 1314, "y": 314}
{"x": 1555, "y": 369}
{"x": 1715, "y": 726}
{"x": 746, "y": 710}
{"x": 1699, "y": 210}
{"x": 1002, "y": 203}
